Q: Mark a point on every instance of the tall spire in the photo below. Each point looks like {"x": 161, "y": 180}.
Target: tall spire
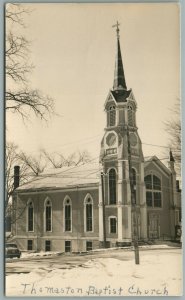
{"x": 119, "y": 76}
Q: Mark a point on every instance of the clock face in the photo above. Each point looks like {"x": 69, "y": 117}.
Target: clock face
{"x": 133, "y": 139}
{"x": 111, "y": 139}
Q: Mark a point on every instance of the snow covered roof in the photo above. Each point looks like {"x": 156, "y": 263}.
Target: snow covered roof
{"x": 65, "y": 177}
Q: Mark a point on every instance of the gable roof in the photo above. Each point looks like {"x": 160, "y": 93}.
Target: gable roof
{"x": 65, "y": 177}
{"x": 154, "y": 159}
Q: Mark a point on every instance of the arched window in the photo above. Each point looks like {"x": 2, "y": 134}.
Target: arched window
{"x": 112, "y": 186}
{"x": 88, "y": 213}
{"x": 48, "y": 215}
{"x": 131, "y": 116}
{"x": 111, "y": 116}
{"x": 67, "y": 214}
{"x": 156, "y": 183}
{"x": 153, "y": 191}
{"x": 30, "y": 216}
{"x": 148, "y": 182}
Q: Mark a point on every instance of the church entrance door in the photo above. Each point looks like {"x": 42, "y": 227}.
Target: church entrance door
{"x": 154, "y": 226}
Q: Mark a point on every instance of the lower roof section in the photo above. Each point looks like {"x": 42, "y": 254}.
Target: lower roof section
{"x": 86, "y": 175}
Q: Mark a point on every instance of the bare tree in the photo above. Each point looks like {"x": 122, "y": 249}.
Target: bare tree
{"x": 12, "y": 159}
{"x": 82, "y": 157}
{"x": 57, "y": 160}
{"x": 15, "y": 13}
{"x": 20, "y": 98}
{"x": 36, "y": 165}
{"x": 173, "y": 127}
{"x": 30, "y": 167}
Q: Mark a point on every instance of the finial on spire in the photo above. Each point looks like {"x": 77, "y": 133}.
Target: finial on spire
{"x": 119, "y": 77}
{"x": 171, "y": 156}
{"x": 117, "y": 28}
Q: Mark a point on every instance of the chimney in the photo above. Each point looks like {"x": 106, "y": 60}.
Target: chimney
{"x": 16, "y": 176}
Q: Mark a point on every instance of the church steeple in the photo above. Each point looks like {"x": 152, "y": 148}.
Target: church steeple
{"x": 119, "y": 76}
{"x": 121, "y": 141}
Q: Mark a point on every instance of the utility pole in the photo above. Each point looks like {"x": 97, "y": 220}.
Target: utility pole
{"x": 133, "y": 202}
{"x": 103, "y": 210}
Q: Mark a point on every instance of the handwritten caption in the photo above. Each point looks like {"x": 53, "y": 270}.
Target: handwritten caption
{"x": 91, "y": 290}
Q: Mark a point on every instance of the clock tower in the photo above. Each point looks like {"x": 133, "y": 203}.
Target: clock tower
{"x": 122, "y": 160}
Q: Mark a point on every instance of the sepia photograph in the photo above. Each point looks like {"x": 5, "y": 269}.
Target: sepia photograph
{"x": 92, "y": 150}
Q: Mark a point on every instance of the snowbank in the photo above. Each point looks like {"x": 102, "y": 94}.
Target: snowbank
{"x": 39, "y": 254}
{"x": 52, "y": 253}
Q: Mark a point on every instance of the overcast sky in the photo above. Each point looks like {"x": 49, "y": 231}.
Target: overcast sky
{"x": 73, "y": 49}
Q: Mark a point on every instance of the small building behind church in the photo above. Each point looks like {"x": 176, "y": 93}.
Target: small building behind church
{"x": 122, "y": 198}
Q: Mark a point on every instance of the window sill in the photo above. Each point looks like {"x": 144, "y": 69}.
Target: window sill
{"x": 153, "y": 207}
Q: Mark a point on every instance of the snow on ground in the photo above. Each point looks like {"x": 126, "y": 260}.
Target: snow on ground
{"x": 39, "y": 254}
{"x": 159, "y": 274}
{"x": 51, "y": 253}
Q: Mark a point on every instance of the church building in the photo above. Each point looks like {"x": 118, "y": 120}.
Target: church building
{"x": 112, "y": 203}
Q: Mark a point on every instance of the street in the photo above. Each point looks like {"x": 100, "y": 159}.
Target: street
{"x": 63, "y": 261}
